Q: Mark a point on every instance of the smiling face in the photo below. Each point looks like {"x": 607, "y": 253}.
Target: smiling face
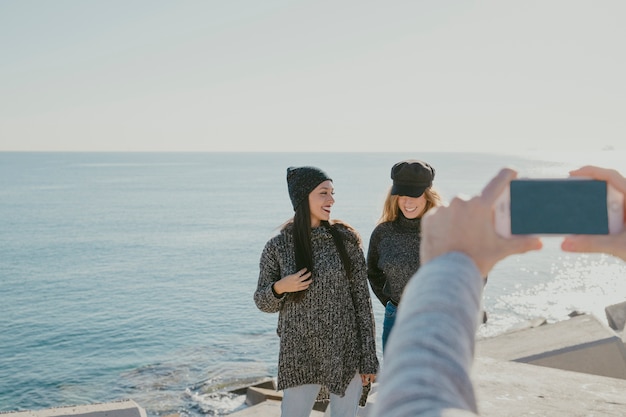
{"x": 412, "y": 207}
{"x": 320, "y": 201}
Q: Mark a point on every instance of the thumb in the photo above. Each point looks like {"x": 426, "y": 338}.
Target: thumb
{"x": 588, "y": 243}
{"x": 521, "y": 244}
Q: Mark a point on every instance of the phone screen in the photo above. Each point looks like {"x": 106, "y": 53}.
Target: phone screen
{"x": 559, "y": 206}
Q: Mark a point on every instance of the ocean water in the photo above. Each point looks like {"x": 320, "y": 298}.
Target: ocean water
{"x": 130, "y": 275}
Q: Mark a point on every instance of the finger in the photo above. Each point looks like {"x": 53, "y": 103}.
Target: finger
{"x": 497, "y": 185}
{"x": 589, "y": 244}
{"x": 611, "y": 176}
{"x": 522, "y": 244}
{"x": 582, "y": 171}
{"x": 591, "y": 171}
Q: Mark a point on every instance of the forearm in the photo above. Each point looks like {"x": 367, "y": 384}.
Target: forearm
{"x": 266, "y": 296}
{"x": 267, "y": 300}
{"x": 428, "y": 357}
{"x": 377, "y": 282}
{"x": 375, "y": 275}
{"x": 364, "y": 314}
{"x": 366, "y": 322}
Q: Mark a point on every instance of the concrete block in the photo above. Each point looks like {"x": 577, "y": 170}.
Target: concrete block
{"x": 269, "y": 408}
{"x": 125, "y": 408}
{"x": 242, "y": 389}
{"x": 616, "y": 316}
{"x": 512, "y": 389}
{"x": 580, "y": 344}
{"x": 256, "y": 395}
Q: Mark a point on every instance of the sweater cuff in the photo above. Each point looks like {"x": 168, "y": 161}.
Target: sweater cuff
{"x": 279, "y": 296}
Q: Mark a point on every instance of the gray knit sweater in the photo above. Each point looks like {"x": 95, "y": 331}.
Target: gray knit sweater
{"x": 393, "y": 257}
{"x": 329, "y": 336}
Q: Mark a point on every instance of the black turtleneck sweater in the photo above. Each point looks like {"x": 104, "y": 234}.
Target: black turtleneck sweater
{"x": 393, "y": 257}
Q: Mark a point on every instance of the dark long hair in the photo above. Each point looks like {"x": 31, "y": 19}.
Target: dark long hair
{"x": 303, "y": 249}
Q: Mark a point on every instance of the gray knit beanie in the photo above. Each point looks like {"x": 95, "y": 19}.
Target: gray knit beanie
{"x": 301, "y": 181}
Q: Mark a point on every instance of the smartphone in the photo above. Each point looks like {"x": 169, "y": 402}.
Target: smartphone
{"x": 559, "y": 206}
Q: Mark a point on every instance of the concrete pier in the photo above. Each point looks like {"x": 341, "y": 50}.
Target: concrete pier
{"x": 512, "y": 389}
{"x": 124, "y": 408}
{"x": 576, "y": 367}
{"x": 582, "y": 344}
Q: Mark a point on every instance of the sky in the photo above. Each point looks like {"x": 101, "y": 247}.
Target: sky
{"x": 289, "y": 75}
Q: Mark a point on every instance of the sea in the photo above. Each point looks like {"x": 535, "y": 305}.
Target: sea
{"x": 131, "y": 275}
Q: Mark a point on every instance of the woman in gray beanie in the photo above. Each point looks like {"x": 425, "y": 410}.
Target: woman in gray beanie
{"x": 393, "y": 253}
{"x": 313, "y": 274}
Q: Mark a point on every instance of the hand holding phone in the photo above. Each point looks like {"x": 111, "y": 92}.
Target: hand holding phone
{"x": 609, "y": 244}
{"x": 559, "y": 206}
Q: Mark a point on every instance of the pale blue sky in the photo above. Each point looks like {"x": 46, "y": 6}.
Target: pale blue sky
{"x": 278, "y": 75}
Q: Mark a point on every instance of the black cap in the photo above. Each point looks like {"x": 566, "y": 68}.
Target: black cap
{"x": 411, "y": 178}
{"x": 301, "y": 181}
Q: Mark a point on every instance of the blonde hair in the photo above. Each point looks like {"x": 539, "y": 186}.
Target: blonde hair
{"x": 391, "y": 211}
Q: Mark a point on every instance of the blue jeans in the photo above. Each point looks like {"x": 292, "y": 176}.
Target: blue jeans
{"x": 390, "y": 319}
